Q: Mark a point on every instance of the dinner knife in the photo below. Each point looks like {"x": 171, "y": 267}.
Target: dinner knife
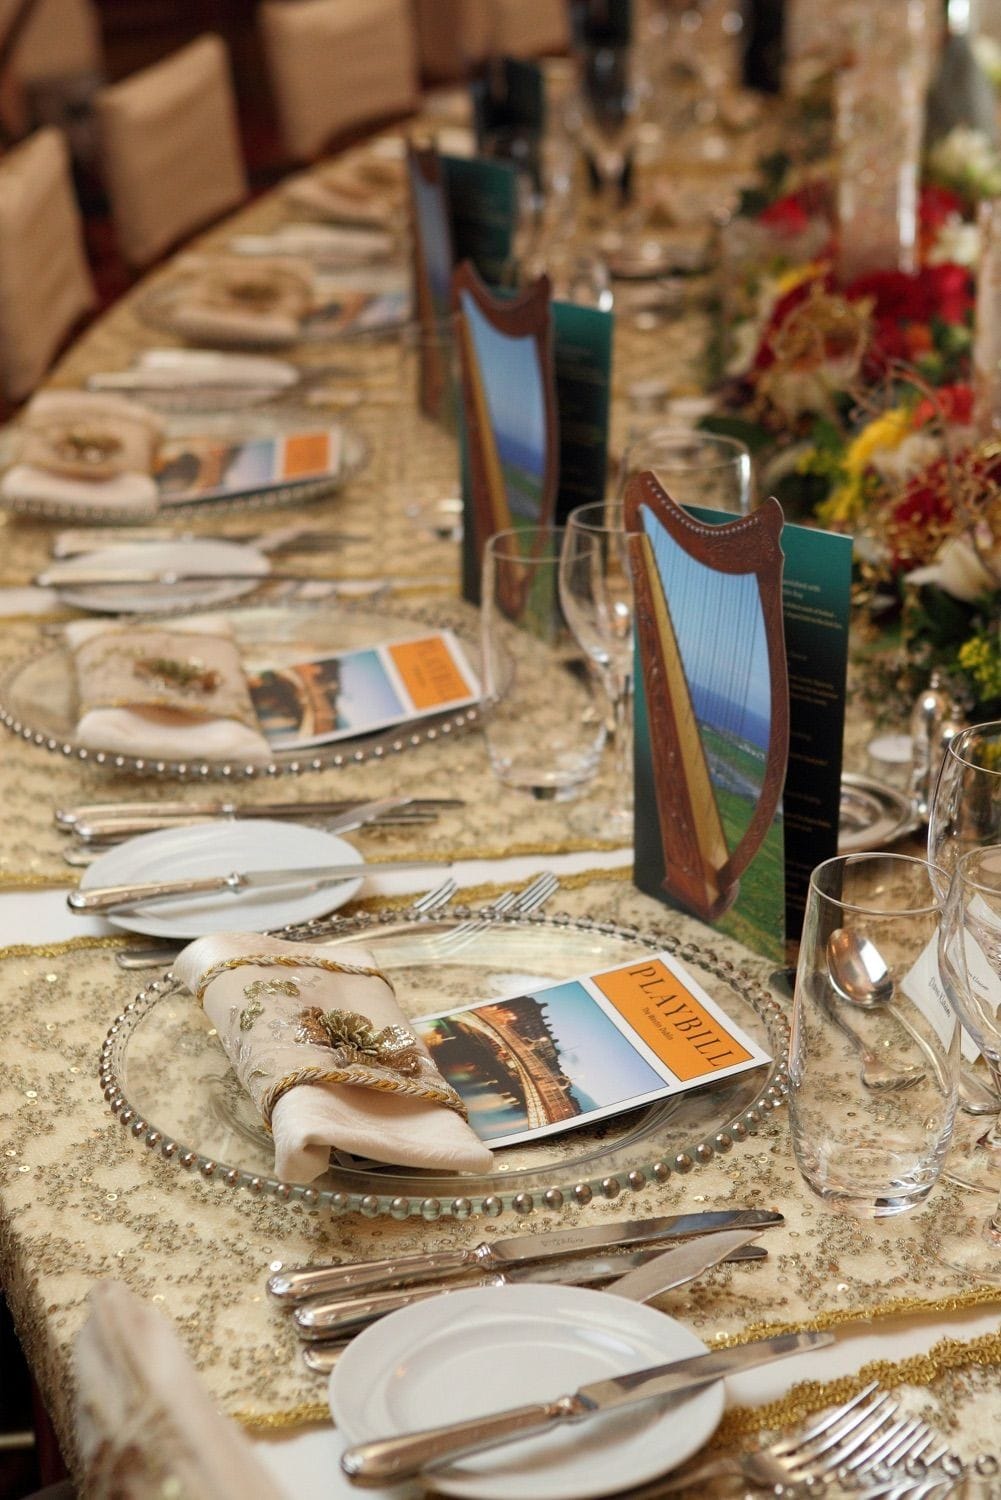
{"x": 101, "y": 898}
{"x": 69, "y": 817}
{"x": 297, "y": 1283}
{"x": 350, "y": 818}
{"x": 386, "y": 1460}
{"x": 640, "y": 1275}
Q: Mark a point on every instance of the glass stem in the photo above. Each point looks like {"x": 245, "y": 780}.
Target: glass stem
{"x": 620, "y": 692}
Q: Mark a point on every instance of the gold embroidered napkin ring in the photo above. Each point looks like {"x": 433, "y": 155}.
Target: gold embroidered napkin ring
{"x": 200, "y": 675}
{"x": 79, "y": 435}
{"x": 389, "y": 1060}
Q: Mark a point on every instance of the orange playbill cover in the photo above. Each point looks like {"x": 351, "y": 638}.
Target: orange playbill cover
{"x": 357, "y": 692}
{"x": 559, "y": 1056}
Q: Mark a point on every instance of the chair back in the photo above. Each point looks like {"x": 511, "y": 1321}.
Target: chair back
{"x": 45, "y": 282}
{"x": 529, "y": 28}
{"x": 171, "y": 149}
{"x": 337, "y": 64}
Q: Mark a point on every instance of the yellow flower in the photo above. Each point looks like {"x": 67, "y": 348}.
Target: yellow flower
{"x": 887, "y": 431}
{"x": 797, "y": 275}
{"x": 845, "y": 503}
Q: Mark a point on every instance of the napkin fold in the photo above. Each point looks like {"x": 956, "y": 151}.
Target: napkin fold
{"x": 318, "y": 1040}
{"x": 236, "y": 299}
{"x": 82, "y": 448}
{"x": 168, "y": 692}
{"x": 147, "y": 1427}
{"x": 346, "y": 199}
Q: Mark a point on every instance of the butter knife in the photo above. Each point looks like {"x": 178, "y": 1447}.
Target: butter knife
{"x": 69, "y": 817}
{"x": 638, "y": 1275}
{"x": 101, "y": 898}
{"x": 297, "y": 1283}
{"x": 386, "y": 1460}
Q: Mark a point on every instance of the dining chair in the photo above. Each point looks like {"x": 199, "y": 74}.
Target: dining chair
{"x": 529, "y": 28}
{"x": 456, "y": 36}
{"x": 170, "y": 148}
{"x": 45, "y": 282}
{"x": 337, "y": 64}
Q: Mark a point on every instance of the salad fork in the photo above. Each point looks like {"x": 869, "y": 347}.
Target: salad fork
{"x": 855, "y": 1439}
{"x": 517, "y": 904}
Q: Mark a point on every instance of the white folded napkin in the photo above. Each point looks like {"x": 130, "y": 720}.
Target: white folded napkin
{"x": 344, "y": 199}
{"x": 86, "y": 449}
{"x": 174, "y": 692}
{"x": 147, "y": 1427}
{"x": 233, "y": 299}
{"x": 318, "y": 1041}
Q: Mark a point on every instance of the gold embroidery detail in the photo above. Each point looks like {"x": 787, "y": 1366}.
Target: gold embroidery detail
{"x": 190, "y": 674}
{"x": 261, "y": 987}
{"x": 284, "y": 961}
{"x": 249, "y": 1013}
{"x": 353, "y": 1037}
{"x": 87, "y": 445}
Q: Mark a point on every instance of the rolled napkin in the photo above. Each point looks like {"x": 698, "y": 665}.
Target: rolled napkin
{"x": 318, "y": 1041}
{"x": 83, "y": 448}
{"x": 348, "y": 199}
{"x": 234, "y": 299}
{"x": 174, "y": 692}
{"x": 146, "y": 1426}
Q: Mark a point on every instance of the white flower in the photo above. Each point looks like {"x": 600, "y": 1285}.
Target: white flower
{"x": 967, "y": 158}
{"x": 987, "y": 51}
{"x": 915, "y": 452}
{"x": 959, "y": 571}
{"x": 956, "y": 243}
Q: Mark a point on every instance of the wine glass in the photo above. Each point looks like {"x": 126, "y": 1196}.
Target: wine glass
{"x": 696, "y": 468}
{"x": 970, "y": 966}
{"x": 611, "y": 120}
{"x": 596, "y": 589}
{"x": 965, "y": 815}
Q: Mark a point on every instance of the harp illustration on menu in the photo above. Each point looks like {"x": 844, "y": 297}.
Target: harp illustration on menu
{"x": 509, "y": 411}
{"x": 432, "y": 273}
{"x": 708, "y": 613}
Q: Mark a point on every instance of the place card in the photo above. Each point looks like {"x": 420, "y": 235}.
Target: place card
{"x": 327, "y": 698}
{"x": 559, "y": 1056}
{"x": 739, "y": 715}
{"x": 211, "y": 468}
{"x": 582, "y": 353}
{"x": 510, "y": 434}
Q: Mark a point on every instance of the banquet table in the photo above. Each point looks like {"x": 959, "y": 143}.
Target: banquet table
{"x": 84, "y": 1198}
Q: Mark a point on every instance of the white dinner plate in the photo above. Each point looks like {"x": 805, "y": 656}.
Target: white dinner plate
{"x": 217, "y": 849}
{"x": 162, "y": 557}
{"x": 489, "y": 1348}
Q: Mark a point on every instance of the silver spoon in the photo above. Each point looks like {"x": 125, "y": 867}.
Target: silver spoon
{"x": 859, "y": 974}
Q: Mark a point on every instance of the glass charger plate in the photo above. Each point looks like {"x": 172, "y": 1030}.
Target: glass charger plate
{"x": 237, "y": 427}
{"x": 167, "y": 1079}
{"x": 38, "y": 696}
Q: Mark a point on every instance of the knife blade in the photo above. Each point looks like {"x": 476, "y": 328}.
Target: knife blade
{"x": 69, "y": 817}
{"x": 638, "y": 1276}
{"x": 386, "y": 1460}
{"x": 296, "y": 1283}
{"x": 99, "y": 898}
{"x": 342, "y": 822}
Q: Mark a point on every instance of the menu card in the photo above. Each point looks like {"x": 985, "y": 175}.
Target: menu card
{"x": 741, "y": 673}
{"x": 209, "y": 468}
{"x": 559, "y": 1056}
{"x": 333, "y": 697}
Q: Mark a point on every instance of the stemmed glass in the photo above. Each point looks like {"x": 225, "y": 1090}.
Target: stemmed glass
{"x": 970, "y": 965}
{"x": 696, "y": 468}
{"x": 965, "y": 816}
{"x": 596, "y": 590}
{"x": 611, "y": 119}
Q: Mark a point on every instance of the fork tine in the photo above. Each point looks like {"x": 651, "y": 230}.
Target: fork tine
{"x": 431, "y": 900}
{"x": 823, "y": 1423}
{"x": 873, "y": 1453}
{"x": 848, "y": 1424}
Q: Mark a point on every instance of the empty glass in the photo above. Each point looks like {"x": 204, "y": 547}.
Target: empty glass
{"x": 874, "y": 1050}
{"x": 543, "y": 723}
{"x": 695, "y": 468}
{"x": 596, "y": 588}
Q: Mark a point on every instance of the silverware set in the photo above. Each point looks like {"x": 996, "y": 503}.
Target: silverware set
{"x": 274, "y": 541}
{"x": 329, "y": 1304}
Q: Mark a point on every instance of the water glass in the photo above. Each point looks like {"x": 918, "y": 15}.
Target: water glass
{"x": 543, "y": 721}
{"x": 695, "y": 468}
{"x": 424, "y": 456}
{"x": 965, "y": 811}
{"x": 874, "y": 1053}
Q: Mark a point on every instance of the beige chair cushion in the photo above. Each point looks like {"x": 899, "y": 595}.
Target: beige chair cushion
{"x": 526, "y": 28}
{"x": 335, "y": 64}
{"x": 171, "y": 149}
{"x": 45, "y": 283}
{"x": 60, "y": 38}
{"x": 454, "y": 36}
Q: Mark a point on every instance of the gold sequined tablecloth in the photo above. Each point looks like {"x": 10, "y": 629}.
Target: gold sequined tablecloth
{"x": 83, "y": 1199}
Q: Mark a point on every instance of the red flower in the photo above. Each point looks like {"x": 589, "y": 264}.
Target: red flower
{"x": 952, "y": 404}
{"x": 937, "y": 205}
{"x": 787, "y": 215}
{"x": 915, "y": 523}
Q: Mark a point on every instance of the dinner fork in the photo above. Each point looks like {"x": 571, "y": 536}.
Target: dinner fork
{"x": 862, "y": 1435}
{"x": 517, "y": 904}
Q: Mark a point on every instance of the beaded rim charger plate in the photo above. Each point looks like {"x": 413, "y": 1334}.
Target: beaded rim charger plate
{"x": 234, "y": 427}
{"x": 38, "y": 697}
{"x": 165, "y": 1076}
